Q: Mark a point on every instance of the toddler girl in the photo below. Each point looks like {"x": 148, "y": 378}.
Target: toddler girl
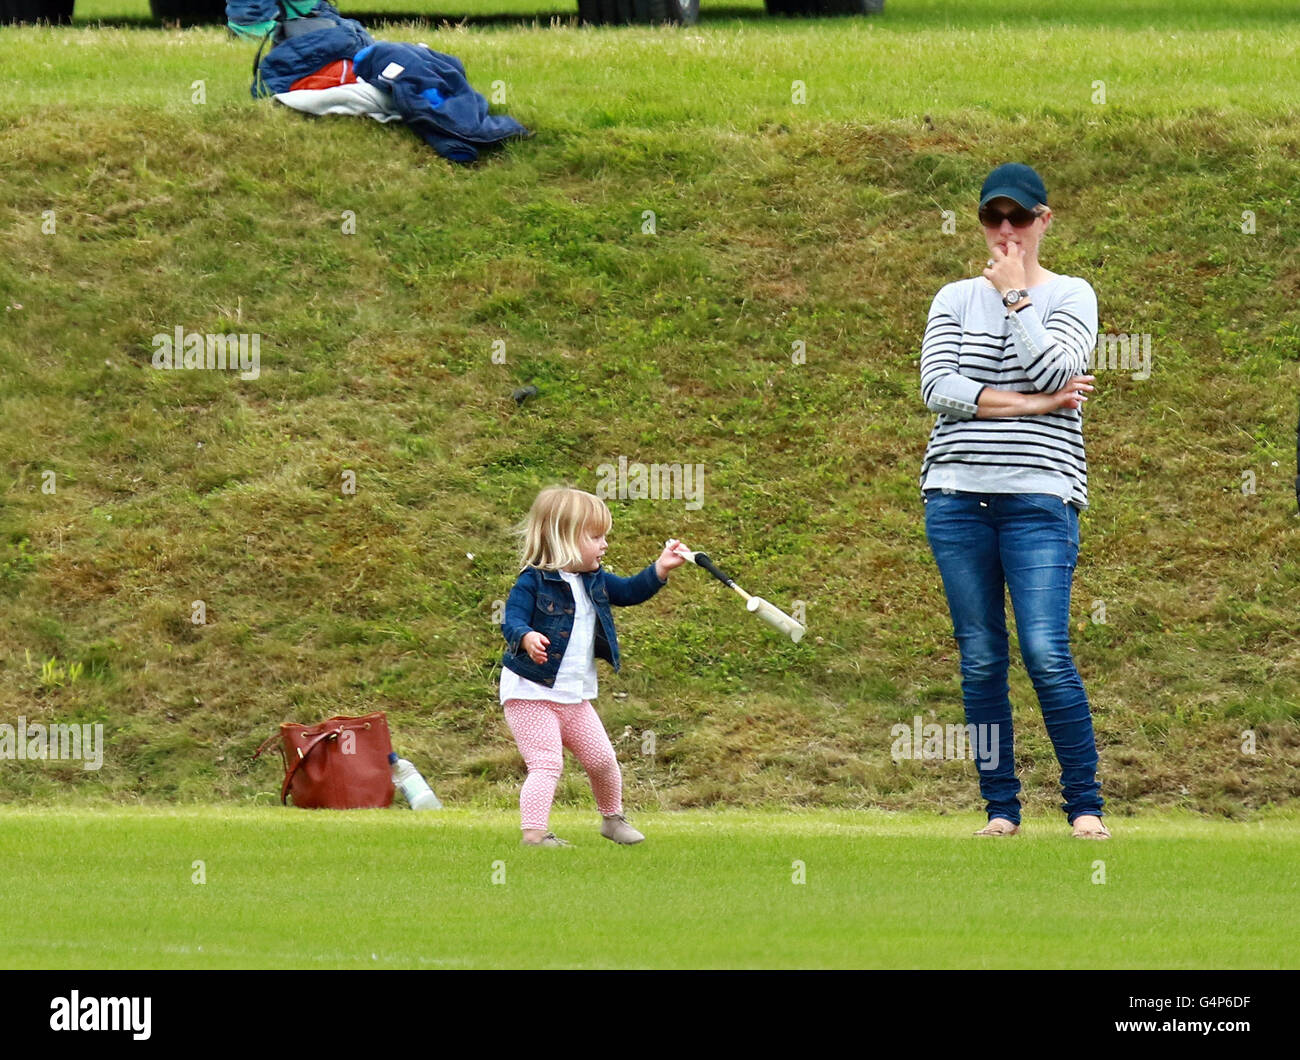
{"x": 557, "y": 623}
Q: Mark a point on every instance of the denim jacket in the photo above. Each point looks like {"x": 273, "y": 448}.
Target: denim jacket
{"x": 542, "y": 601}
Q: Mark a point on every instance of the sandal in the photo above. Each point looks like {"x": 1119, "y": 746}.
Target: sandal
{"x": 999, "y": 826}
{"x": 1089, "y": 830}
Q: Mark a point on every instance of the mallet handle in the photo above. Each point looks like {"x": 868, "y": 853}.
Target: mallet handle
{"x": 702, "y": 560}
{"x": 769, "y": 612}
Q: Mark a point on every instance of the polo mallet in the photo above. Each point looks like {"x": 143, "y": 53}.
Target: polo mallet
{"x": 768, "y": 612}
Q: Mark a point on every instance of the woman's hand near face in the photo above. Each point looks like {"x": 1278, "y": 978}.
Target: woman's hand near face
{"x": 1007, "y": 273}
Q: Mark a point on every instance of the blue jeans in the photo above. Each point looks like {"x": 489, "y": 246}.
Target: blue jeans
{"x": 985, "y": 543}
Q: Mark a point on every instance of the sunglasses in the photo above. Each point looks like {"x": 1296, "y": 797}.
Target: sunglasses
{"x": 1018, "y": 216}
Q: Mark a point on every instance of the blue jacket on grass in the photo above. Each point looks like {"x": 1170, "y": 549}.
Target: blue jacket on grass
{"x": 429, "y": 89}
{"x": 542, "y": 601}
{"x": 435, "y": 98}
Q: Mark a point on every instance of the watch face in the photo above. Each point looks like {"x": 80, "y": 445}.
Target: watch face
{"x": 1011, "y": 297}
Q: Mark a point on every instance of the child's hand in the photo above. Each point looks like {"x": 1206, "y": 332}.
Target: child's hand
{"x": 670, "y": 558}
{"x": 535, "y": 645}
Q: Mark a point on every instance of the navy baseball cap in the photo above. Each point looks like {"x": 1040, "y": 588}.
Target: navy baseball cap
{"x": 1015, "y": 181}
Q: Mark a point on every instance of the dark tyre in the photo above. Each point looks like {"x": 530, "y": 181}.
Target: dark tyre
{"x": 189, "y": 11}
{"x": 851, "y": 7}
{"x": 623, "y": 12}
{"x": 605, "y": 12}
{"x": 825, "y": 7}
{"x": 680, "y": 12}
{"x": 615, "y": 12}
{"x": 55, "y": 12}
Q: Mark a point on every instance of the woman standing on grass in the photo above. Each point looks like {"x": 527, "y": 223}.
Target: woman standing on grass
{"x": 1004, "y": 479}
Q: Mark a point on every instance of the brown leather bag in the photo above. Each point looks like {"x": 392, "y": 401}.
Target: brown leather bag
{"x": 339, "y": 764}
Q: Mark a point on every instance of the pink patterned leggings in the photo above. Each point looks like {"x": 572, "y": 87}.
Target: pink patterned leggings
{"x": 542, "y": 730}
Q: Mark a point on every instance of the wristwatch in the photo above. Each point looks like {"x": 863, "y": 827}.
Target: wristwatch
{"x": 1012, "y": 297}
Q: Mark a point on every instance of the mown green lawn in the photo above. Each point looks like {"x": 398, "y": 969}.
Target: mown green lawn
{"x": 118, "y": 888}
{"x": 734, "y": 69}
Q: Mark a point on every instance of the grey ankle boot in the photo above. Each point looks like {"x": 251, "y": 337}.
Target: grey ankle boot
{"x": 550, "y": 839}
{"x": 615, "y": 827}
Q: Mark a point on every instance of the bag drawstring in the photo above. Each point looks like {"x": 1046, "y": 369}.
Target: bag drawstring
{"x": 258, "y": 81}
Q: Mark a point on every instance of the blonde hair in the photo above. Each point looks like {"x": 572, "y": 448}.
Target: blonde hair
{"x": 550, "y": 534}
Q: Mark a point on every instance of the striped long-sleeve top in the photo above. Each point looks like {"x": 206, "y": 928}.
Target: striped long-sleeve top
{"x": 972, "y": 342}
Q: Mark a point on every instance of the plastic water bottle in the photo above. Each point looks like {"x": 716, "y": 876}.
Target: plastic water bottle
{"x": 413, "y": 786}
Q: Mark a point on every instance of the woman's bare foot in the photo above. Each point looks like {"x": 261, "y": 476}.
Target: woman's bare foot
{"x": 999, "y": 826}
{"x": 1089, "y": 826}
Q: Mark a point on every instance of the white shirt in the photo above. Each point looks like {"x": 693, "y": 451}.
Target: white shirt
{"x": 576, "y": 679}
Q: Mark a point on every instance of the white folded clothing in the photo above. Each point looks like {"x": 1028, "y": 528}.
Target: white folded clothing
{"x": 358, "y": 97}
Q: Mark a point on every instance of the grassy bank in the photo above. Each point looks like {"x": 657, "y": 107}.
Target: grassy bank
{"x": 775, "y": 223}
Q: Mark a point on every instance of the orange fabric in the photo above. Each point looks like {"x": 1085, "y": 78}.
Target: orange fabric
{"x": 339, "y": 72}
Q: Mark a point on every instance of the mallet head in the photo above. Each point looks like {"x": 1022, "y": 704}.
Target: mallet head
{"x": 774, "y": 616}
